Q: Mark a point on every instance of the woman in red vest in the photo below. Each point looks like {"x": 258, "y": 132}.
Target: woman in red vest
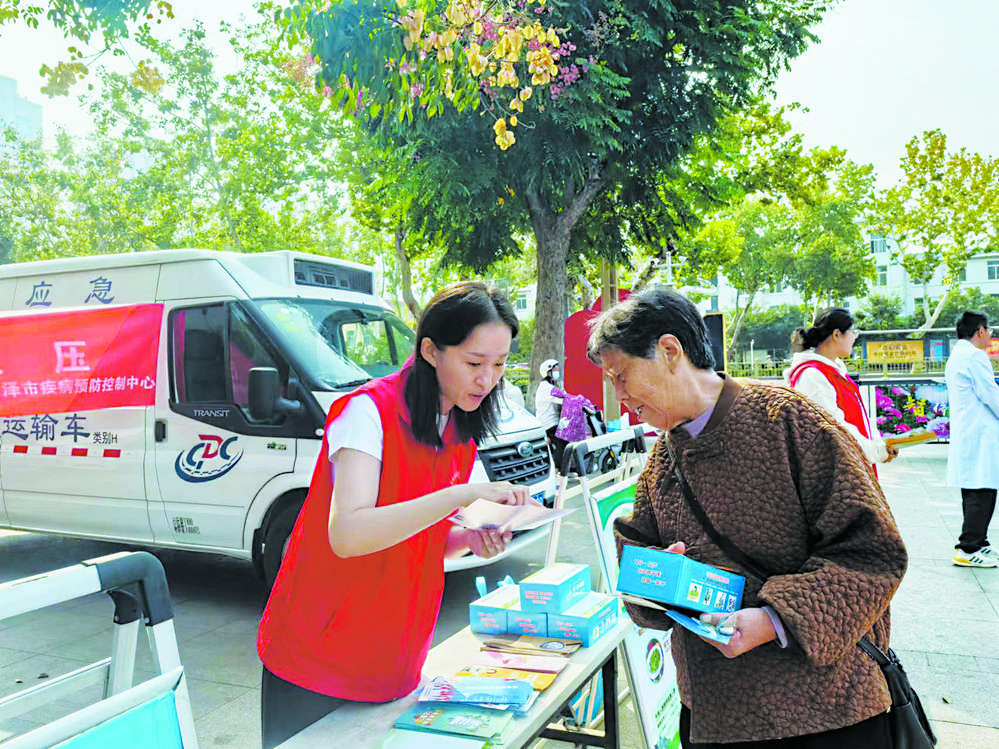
{"x": 817, "y": 371}
{"x": 352, "y": 612}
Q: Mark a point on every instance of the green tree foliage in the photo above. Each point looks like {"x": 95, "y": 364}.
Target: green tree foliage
{"x": 243, "y": 162}
{"x": 761, "y": 235}
{"x": 770, "y": 330}
{"x": 92, "y": 28}
{"x": 752, "y": 155}
{"x": 942, "y": 213}
{"x": 776, "y": 213}
{"x": 639, "y": 82}
{"x": 881, "y": 312}
{"x": 959, "y": 301}
{"x": 241, "y": 155}
{"x": 831, "y": 257}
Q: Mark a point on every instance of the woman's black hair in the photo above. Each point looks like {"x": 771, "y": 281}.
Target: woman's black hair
{"x": 449, "y": 318}
{"x": 825, "y": 325}
{"x": 635, "y": 326}
{"x": 968, "y": 323}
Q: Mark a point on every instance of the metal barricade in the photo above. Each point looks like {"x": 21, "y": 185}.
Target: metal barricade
{"x": 153, "y": 713}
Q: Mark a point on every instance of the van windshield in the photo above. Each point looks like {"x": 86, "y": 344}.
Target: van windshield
{"x": 342, "y": 345}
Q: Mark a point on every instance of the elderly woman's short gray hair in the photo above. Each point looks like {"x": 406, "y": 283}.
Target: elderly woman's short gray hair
{"x": 635, "y": 326}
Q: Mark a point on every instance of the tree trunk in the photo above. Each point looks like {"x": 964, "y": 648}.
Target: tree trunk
{"x": 405, "y": 273}
{"x": 553, "y": 282}
{"x": 588, "y": 294}
{"x": 742, "y": 316}
{"x": 552, "y": 233}
{"x": 931, "y": 319}
{"x": 653, "y": 266}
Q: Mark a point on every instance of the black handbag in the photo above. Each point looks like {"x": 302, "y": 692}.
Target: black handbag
{"x": 910, "y": 728}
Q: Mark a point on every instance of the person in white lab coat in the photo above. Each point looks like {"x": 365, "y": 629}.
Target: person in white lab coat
{"x": 972, "y": 461}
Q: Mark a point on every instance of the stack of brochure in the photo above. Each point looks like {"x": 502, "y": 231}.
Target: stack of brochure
{"x": 474, "y": 707}
{"x": 486, "y": 691}
{"x": 477, "y": 723}
{"x": 532, "y": 645}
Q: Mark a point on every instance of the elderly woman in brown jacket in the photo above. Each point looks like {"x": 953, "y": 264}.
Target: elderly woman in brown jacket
{"x": 793, "y": 491}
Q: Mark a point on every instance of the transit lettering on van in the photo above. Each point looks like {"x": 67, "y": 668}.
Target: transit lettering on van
{"x": 178, "y": 364}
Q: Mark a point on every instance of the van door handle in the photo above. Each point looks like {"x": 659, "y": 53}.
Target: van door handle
{"x": 159, "y": 430}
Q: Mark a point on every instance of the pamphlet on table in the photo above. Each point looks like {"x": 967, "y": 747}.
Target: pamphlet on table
{"x": 537, "y": 680}
{"x": 531, "y": 645}
{"x": 464, "y": 720}
{"x": 476, "y": 689}
{"x": 545, "y": 663}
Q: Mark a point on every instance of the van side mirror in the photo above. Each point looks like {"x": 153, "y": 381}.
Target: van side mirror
{"x": 265, "y": 395}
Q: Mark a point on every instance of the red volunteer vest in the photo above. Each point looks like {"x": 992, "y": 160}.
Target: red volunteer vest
{"x": 360, "y": 628}
{"x": 847, "y": 394}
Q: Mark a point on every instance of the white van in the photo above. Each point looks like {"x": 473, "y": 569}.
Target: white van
{"x": 213, "y": 459}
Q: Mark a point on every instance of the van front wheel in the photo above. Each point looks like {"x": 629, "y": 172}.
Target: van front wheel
{"x": 276, "y": 541}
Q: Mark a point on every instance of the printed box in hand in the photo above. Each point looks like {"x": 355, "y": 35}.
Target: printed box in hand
{"x": 677, "y": 580}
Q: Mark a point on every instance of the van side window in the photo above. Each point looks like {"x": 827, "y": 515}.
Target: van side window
{"x": 214, "y": 348}
{"x": 198, "y": 354}
{"x": 376, "y": 346}
{"x": 246, "y": 351}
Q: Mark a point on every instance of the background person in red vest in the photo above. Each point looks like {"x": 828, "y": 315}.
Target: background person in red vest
{"x": 352, "y": 612}
{"x": 817, "y": 371}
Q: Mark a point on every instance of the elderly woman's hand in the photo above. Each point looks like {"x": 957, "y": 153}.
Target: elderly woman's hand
{"x": 750, "y": 628}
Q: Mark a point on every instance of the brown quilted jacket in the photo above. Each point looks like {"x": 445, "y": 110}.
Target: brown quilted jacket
{"x": 793, "y": 490}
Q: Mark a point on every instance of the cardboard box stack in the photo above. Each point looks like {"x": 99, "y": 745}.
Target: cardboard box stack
{"x": 556, "y": 601}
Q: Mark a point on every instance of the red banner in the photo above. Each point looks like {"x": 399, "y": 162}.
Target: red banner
{"x": 56, "y": 362}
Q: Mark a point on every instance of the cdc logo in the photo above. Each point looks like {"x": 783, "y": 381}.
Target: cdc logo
{"x": 209, "y": 459}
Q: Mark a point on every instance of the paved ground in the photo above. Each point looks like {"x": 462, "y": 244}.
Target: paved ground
{"x": 945, "y": 619}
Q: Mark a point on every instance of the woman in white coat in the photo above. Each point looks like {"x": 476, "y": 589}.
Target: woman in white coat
{"x": 972, "y": 461}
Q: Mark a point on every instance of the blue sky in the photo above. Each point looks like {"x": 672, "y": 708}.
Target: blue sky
{"x": 885, "y": 70}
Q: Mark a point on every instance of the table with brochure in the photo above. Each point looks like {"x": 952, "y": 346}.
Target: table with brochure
{"x": 368, "y": 726}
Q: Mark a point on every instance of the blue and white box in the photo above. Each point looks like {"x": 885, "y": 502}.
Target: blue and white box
{"x": 586, "y": 620}
{"x": 677, "y": 580}
{"x": 555, "y": 588}
{"x": 527, "y": 622}
{"x": 490, "y": 614}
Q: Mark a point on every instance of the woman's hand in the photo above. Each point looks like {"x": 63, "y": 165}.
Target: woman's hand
{"x": 502, "y": 492}
{"x": 487, "y": 542}
{"x": 750, "y": 629}
{"x": 892, "y": 453}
